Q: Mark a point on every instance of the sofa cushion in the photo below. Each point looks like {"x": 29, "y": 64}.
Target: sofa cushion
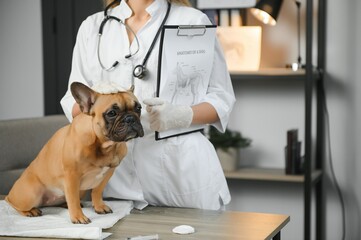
{"x": 20, "y": 142}
{"x": 8, "y": 179}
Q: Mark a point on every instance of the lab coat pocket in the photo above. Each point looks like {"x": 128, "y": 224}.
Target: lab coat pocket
{"x": 187, "y": 164}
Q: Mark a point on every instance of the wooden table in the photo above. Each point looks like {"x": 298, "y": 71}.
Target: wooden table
{"x": 208, "y": 224}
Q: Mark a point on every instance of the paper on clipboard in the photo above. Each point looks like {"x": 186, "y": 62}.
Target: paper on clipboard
{"x": 185, "y": 64}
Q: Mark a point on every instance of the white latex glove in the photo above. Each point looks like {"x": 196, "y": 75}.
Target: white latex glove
{"x": 165, "y": 116}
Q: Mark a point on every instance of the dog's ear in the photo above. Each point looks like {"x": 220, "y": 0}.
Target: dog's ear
{"x": 84, "y": 96}
{"x": 131, "y": 89}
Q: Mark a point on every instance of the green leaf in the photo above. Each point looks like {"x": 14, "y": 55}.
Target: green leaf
{"x": 228, "y": 139}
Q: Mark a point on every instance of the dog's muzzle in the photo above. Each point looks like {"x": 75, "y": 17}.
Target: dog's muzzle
{"x": 126, "y": 127}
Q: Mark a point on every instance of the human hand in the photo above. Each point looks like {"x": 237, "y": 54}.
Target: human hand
{"x": 165, "y": 116}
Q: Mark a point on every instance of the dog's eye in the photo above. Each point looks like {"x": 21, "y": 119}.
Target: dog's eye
{"x": 111, "y": 113}
{"x": 138, "y": 108}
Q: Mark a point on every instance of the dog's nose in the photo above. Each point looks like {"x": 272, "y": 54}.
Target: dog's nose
{"x": 129, "y": 119}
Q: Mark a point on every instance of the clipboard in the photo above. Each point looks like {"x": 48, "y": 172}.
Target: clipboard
{"x": 186, "y": 54}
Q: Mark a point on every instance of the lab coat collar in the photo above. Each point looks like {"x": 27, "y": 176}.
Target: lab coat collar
{"x": 157, "y": 7}
{"x": 123, "y": 11}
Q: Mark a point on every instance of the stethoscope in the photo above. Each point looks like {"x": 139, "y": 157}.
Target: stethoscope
{"x": 140, "y": 70}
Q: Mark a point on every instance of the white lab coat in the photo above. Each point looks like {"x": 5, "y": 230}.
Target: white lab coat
{"x": 182, "y": 171}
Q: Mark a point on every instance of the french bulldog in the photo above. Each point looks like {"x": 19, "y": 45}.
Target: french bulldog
{"x": 80, "y": 156}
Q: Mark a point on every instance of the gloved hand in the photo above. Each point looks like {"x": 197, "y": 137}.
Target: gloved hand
{"x": 165, "y": 116}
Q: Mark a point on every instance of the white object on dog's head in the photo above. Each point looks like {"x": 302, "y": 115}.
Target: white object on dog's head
{"x": 183, "y": 229}
{"x": 107, "y": 87}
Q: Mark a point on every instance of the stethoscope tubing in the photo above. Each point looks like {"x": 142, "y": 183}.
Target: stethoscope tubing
{"x": 139, "y": 70}
{"x": 100, "y": 33}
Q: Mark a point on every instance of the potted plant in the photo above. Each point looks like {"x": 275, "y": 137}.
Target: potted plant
{"x": 227, "y": 145}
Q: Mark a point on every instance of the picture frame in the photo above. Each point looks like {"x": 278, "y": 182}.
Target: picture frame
{"x": 243, "y": 50}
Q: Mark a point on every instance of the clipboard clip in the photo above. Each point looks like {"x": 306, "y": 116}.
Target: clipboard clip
{"x": 191, "y": 30}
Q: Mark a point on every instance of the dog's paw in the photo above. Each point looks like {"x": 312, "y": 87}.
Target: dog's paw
{"x": 102, "y": 209}
{"x": 80, "y": 220}
{"x": 34, "y": 212}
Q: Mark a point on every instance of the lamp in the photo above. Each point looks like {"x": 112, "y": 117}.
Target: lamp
{"x": 298, "y": 65}
{"x": 267, "y": 11}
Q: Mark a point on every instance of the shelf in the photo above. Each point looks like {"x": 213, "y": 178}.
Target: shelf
{"x": 269, "y": 174}
{"x": 271, "y": 74}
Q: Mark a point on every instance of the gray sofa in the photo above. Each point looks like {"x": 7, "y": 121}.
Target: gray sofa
{"x": 20, "y": 142}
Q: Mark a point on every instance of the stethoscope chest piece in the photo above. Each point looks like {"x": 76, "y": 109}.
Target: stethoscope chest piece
{"x": 139, "y": 71}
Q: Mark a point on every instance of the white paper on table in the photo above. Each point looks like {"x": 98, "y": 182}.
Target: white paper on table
{"x": 55, "y": 222}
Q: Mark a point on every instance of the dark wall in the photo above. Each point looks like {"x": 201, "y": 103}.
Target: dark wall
{"x": 61, "y": 20}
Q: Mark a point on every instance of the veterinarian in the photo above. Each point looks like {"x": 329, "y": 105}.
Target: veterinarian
{"x": 182, "y": 171}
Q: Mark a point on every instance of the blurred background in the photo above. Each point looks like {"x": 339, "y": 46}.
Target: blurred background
{"x": 36, "y": 44}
